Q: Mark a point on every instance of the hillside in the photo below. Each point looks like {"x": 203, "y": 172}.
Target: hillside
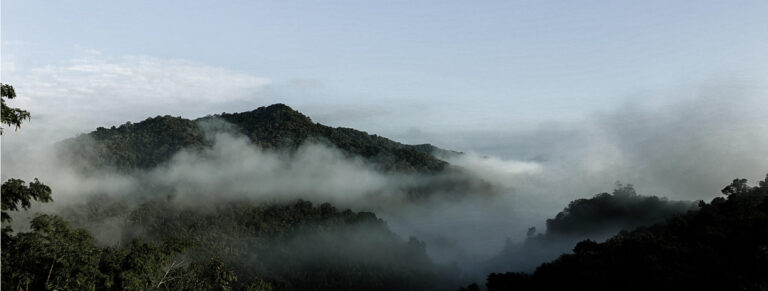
{"x": 226, "y": 246}
{"x": 723, "y": 246}
{"x": 596, "y": 218}
{"x": 149, "y": 143}
{"x": 155, "y": 235}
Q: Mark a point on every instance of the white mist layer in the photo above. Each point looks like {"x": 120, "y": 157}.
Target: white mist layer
{"x": 684, "y": 150}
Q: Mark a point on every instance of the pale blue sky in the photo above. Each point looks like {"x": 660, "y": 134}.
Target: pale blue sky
{"x": 400, "y": 68}
{"x": 669, "y": 95}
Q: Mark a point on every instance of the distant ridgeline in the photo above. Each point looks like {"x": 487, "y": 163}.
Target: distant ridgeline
{"x": 155, "y": 242}
{"x": 596, "y": 218}
{"x": 153, "y": 141}
{"x": 721, "y": 246}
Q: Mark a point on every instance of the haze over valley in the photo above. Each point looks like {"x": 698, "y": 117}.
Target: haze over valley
{"x": 409, "y": 146}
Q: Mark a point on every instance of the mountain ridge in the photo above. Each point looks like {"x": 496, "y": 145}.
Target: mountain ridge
{"x": 153, "y": 141}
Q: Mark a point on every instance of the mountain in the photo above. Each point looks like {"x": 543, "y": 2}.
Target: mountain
{"x": 722, "y": 246}
{"x": 596, "y": 218}
{"x": 156, "y": 236}
{"x": 147, "y": 144}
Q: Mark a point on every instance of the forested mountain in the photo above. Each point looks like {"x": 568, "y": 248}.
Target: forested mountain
{"x": 151, "y": 239}
{"x": 596, "y": 218}
{"x": 151, "y": 235}
{"x": 153, "y": 141}
{"x": 722, "y": 246}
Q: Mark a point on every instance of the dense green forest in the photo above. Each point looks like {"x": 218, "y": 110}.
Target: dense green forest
{"x": 262, "y": 246}
{"x": 721, "y": 246}
{"x": 234, "y": 246}
{"x": 297, "y": 246}
{"x": 597, "y": 218}
{"x": 153, "y": 141}
{"x": 156, "y": 239}
{"x": 223, "y": 245}
{"x": 137, "y": 147}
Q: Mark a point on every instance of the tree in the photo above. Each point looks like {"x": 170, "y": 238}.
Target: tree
{"x": 14, "y": 191}
{"x": 51, "y": 257}
{"x": 721, "y": 246}
{"x": 47, "y": 232}
{"x": 737, "y": 186}
{"x": 10, "y": 115}
{"x": 55, "y": 256}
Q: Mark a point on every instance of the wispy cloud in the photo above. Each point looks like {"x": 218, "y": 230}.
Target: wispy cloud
{"x": 93, "y": 90}
{"x": 96, "y": 88}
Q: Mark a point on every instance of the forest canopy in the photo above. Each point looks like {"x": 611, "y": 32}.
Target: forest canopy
{"x": 162, "y": 239}
{"x": 721, "y": 246}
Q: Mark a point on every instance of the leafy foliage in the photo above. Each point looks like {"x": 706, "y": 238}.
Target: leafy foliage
{"x": 53, "y": 256}
{"x": 16, "y": 193}
{"x": 10, "y": 116}
{"x": 723, "y": 246}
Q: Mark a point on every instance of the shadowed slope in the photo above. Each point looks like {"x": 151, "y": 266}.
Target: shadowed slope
{"x": 153, "y": 141}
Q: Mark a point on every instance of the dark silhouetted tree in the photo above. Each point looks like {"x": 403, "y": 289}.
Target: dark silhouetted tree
{"x": 15, "y": 192}
{"x": 10, "y": 115}
{"x": 736, "y": 187}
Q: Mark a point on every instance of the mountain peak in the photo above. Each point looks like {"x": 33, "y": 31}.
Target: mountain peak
{"x": 153, "y": 141}
{"x": 278, "y": 108}
{"x": 275, "y": 115}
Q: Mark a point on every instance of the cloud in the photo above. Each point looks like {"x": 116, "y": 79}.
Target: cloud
{"x": 97, "y": 86}
{"x": 500, "y": 171}
{"x": 233, "y": 169}
{"x": 93, "y": 90}
{"x": 684, "y": 149}
{"x": 687, "y": 147}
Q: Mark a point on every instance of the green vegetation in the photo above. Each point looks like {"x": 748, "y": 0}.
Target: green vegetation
{"x": 296, "y": 246}
{"x": 227, "y": 246}
{"x": 11, "y": 116}
{"x": 153, "y": 141}
{"x": 54, "y": 256}
{"x": 279, "y": 126}
{"x": 15, "y": 191}
{"x": 234, "y": 246}
{"x": 722, "y": 246}
{"x": 163, "y": 242}
{"x": 134, "y": 146}
{"x": 608, "y": 213}
{"x": 597, "y": 218}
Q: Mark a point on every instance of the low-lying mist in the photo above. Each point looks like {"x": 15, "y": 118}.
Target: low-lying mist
{"x": 233, "y": 169}
{"x": 699, "y": 144}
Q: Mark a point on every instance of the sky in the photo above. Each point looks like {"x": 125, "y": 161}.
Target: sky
{"x": 528, "y": 80}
